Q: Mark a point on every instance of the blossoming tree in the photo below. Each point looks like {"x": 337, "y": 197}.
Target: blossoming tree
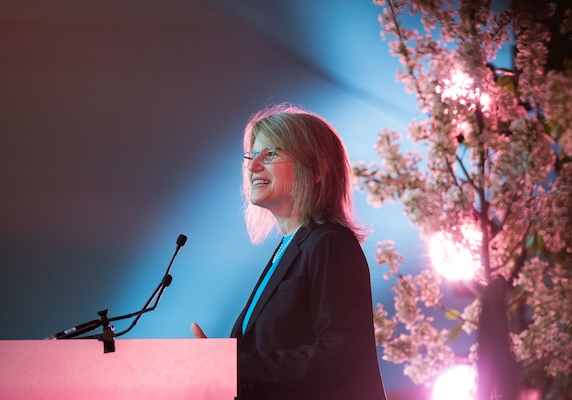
{"x": 498, "y": 145}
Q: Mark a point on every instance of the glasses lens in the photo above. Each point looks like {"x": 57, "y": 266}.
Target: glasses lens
{"x": 247, "y": 158}
{"x": 267, "y": 155}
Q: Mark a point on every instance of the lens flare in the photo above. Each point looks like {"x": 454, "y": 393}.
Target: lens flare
{"x": 458, "y": 383}
{"x": 453, "y": 260}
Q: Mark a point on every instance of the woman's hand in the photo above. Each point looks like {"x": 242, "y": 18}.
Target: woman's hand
{"x": 197, "y": 331}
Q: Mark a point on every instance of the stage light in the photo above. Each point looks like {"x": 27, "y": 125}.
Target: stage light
{"x": 458, "y": 383}
{"x": 452, "y": 259}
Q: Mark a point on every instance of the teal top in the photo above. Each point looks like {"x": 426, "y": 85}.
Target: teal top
{"x": 283, "y": 246}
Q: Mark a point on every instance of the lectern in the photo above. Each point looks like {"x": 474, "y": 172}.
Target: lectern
{"x": 197, "y": 369}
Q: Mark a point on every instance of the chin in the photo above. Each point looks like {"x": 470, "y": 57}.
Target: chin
{"x": 256, "y": 202}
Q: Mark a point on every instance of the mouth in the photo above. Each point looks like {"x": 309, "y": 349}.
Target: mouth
{"x": 260, "y": 182}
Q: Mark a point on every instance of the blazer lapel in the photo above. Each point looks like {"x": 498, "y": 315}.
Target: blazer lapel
{"x": 283, "y": 266}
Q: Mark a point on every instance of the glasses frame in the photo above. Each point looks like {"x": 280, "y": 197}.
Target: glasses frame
{"x": 267, "y": 155}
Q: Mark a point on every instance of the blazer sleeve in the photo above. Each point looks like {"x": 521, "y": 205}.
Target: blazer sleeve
{"x": 342, "y": 347}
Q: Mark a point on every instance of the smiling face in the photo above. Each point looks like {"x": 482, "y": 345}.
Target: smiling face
{"x": 272, "y": 183}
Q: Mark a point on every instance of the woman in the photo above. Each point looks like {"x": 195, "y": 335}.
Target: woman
{"x": 307, "y": 330}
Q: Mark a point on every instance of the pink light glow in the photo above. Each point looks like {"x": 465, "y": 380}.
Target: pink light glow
{"x": 458, "y": 383}
{"x": 460, "y": 86}
{"x": 530, "y": 394}
{"x": 455, "y": 261}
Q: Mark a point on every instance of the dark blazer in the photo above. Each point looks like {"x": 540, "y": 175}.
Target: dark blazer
{"x": 311, "y": 334}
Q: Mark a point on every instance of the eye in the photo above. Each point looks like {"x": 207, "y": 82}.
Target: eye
{"x": 269, "y": 154}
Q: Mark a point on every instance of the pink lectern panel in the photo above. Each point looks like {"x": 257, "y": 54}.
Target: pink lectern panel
{"x": 197, "y": 369}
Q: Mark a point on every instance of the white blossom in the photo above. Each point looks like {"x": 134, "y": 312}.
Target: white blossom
{"x": 498, "y": 147}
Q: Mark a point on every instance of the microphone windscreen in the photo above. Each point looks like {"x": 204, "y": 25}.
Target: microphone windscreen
{"x": 167, "y": 279}
{"x": 181, "y": 240}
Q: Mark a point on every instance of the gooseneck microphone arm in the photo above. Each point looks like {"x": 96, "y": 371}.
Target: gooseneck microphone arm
{"x": 108, "y": 331}
{"x": 166, "y": 281}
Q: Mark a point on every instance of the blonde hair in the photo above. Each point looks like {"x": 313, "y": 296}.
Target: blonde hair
{"x": 322, "y": 189}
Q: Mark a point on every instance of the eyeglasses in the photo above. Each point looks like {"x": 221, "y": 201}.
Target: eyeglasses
{"x": 267, "y": 154}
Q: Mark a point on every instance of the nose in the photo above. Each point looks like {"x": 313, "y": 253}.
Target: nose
{"x": 255, "y": 164}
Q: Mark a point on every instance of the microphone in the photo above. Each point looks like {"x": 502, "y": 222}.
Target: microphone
{"x": 157, "y": 294}
{"x": 181, "y": 240}
{"x": 76, "y": 330}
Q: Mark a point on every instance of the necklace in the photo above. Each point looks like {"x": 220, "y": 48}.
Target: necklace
{"x": 285, "y": 242}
